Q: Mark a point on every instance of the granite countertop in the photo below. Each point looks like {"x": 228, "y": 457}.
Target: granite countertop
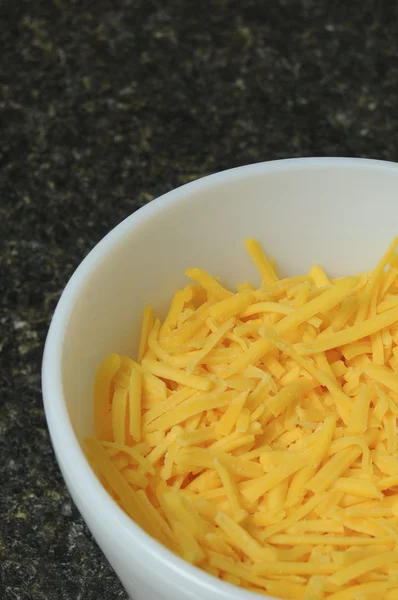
{"x": 105, "y": 105}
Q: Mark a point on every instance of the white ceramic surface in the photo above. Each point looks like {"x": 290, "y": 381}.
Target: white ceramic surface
{"x": 341, "y": 213}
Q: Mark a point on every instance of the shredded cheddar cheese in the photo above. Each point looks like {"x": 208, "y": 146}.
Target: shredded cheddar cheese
{"x": 256, "y": 434}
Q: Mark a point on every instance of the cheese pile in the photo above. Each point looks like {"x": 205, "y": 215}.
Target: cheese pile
{"x": 256, "y": 434}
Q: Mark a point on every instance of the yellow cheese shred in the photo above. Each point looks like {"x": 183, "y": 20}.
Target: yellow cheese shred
{"x": 147, "y": 324}
{"x": 261, "y": 262}
{"x": 165, "y": 371}
{"x": 256, "y": 434}
{"x": 119, "y": 407}
{"x": 363, "y": 566}
{"x": 319, "y": 276}
{"x": 135, "y": 398}
{"x": 102, "y": 391}
{"x": 351, "y": 334}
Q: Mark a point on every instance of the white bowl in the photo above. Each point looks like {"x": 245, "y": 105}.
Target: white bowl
{"x": 341, "y": 213}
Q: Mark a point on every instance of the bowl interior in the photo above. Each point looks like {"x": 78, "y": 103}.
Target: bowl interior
{"x": 340, "y": 214}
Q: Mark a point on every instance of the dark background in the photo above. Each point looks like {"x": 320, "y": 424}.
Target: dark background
{"x": 105, "y": 105}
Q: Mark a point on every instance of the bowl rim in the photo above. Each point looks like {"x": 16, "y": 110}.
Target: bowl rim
{"x": 121, "y": 529}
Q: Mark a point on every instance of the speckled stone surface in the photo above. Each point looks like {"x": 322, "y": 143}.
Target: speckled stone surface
{"x": 105, "y": 105}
